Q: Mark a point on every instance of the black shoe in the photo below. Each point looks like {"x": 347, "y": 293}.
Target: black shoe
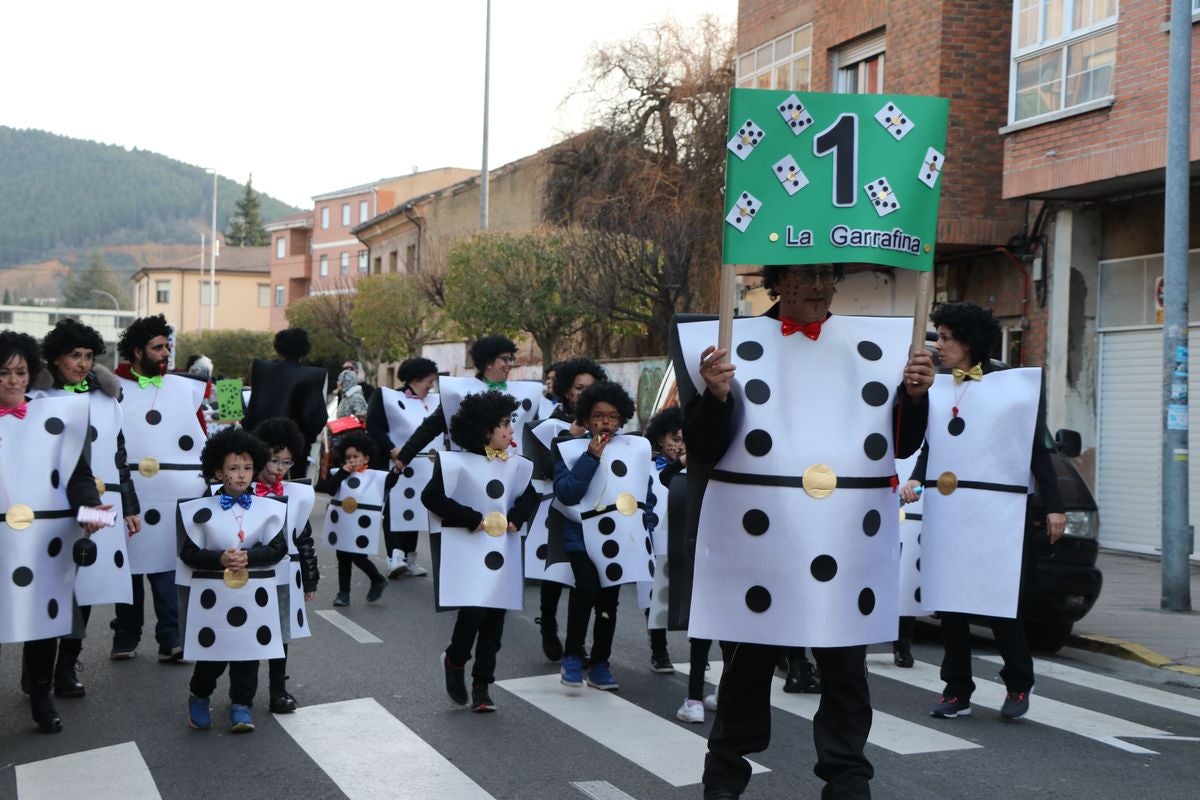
{"x": 1016, "y": 705}
{"x": 66, "y": 682}
{"x": 660, "y": 661}
{"x": 280, "y": 701}
{"x": 720, "y": 794}
{"x": 44, "y": 713}
{"x": 481, "y": 703}
{"x": 551, "y": 644}
{"x": 123, "y": 651}
{"x": 902, "y": 653}
{"x": 376, "y": 590}
{"x": 802, "y": 679}
{"x": 456, "y": 684}
{"x": 781, "y": 664}
{"x": 170, "y": 655}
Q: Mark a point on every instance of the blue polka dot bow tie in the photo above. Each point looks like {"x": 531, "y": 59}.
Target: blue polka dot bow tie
{"x": 227, "y": 501}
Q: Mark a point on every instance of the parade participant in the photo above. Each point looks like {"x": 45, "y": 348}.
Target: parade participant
{"x": 600, "y": 484}
{"x": 981, "y": 447}
{"x": 40, "y": 442}
{"x": 791, "y": 463}
{"x": 164, "y": 433}
{"x": 665, "y": 432}
{"x": 286, "y": 388}
{"x": 572, "y": 377}
{"x": 801, "y": 675}
{"x": 232, "y": 546}
{"x": 351, "y": 402}
{"x": 355, "y": 514}
{"x": 550, "y": 398}
{"x": 482, "y": 498}
{"x": 392, "y": 416}
{"x": 70, "y": 349}
{"x": 298, "y": 578}
{"x": 911, "y": 606}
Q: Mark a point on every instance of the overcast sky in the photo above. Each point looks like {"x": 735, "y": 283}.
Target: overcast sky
{"x": 311, "y": 96}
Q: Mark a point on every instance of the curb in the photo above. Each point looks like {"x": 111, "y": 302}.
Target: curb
{"x": 1129, "y": 650}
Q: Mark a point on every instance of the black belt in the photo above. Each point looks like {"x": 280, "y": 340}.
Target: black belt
{"x": 599, "y": 512}
{"x": 213, "y": 575}
{"x": 294, "y": 556}
{"x": 45, "y": 515}
{"x": 197, "y": 467}
{"x": 913, "y": 517}
{"x": 359, "y": 507}
{"x": 111, "y": 487}
{"x": 797, "y": 481}
{"x": 543, "y": 498}
{"x": 985, "y": 486}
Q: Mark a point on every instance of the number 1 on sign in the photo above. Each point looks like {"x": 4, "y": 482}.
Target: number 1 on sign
{"x": 841, "y": 139}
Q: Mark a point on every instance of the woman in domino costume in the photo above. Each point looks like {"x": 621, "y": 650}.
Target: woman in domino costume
{"x": 44, "y": 481}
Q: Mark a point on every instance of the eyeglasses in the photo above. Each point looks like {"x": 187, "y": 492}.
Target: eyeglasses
{"x": 600, "y": 417}
{"x": 826, "y": 276}
{"x": 281, "y": 463}
{"x": 508, "y": 359}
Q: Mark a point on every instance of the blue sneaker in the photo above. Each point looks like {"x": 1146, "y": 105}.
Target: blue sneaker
{"x": 600, "y": 678}
{"x": 572, "y": 672}
{"x": 199, "y": 713}
{"x": 239, "y": 715}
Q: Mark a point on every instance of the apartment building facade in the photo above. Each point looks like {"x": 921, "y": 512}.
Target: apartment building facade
{"x": 184, "y": 291}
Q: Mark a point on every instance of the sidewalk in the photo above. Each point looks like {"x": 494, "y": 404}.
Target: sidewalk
{"x": 1126, "y": 621}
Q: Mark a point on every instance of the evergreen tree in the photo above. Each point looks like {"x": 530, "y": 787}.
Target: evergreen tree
{"x": 246, "y": 225}
{"x": 87, "y": 287}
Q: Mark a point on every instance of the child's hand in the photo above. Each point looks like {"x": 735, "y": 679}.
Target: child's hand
{"x": 908, "y": 491}
{"x": 512, "y": 528}
{"x": 234, "y": 559}
{"x": 577, "y": 429}
{"x": 133, "y": 524}
{"x": 308, "y": 596}
{"x": 479, "y": 527}
{"x": 596, "y": 446}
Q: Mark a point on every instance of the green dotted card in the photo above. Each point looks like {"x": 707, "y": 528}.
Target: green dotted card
{"x": 229, "y": 399}
{"x": 812, "y": 178}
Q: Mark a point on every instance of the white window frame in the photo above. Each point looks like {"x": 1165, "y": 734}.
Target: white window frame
{"x": 364, "y": 208}
{"x": 345, "y": 215}
{"x": 324, "y": 269}
{"x": 210, "y": 289}
{"x": 344, "y": 262}
{"x": 847, "y": 59}
{"x": 1060, "y": 44}
{"x": 264, "y": 295}
{"x": 749, "y": 78}
{"x": 362, "y": 261}
{"x": 325, "y": 218}
{"x": 279, "y": 296}
{"x": 162, "y": 292}
{"x": 281, "y": 247}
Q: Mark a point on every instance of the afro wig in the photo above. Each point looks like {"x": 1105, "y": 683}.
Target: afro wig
{"x": 23, "y": 345}
{"x": 231, "y": 440}
{"x": 489, "y": 348}
{"x": 664, "y": 422}
{"x": 292, "y": 343}
{"x": 414, "y": 369}
{"x": 970, "y": 324}
{"x": 69, "y": 334}
{"x": 605, "y": 392}
{"x": 280, "y": 432}
{"x": 360, "y": 441}
{"x": 568, "y": 371}
{"x": 139, "y": 334}
{"x": 481, "y": 413}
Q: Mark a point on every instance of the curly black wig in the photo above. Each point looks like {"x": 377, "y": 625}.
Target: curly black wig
{"x": 231, "y": 440}
{"x": 69, "y": 334}
{"x": 481, "y": 413}
{"x": 488, "y": 348}
{"x": 139, "y": 334}
{"x": 414, "y": 369}
{"x": 23, "y": 345}
{"x": 292, "y": 343}
{"x": 664, "y": 422}
{"x": 280, "y": 432}
{"x": 771, "y": 275}
{"x": 970, "y": 324}
{"x": 605, "y": 392}
{"x": 360, "y": 441}
{"x": 568, "y": 371}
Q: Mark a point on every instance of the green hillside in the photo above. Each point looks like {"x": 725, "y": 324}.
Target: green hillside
{"x": 59, "y": 196}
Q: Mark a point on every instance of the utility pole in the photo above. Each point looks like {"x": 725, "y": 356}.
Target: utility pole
{"x": 1176, "y": 532}
{"x": 199, "y": 291}
{"x": 212, "y": 260}
{"x": 483, "y": 174}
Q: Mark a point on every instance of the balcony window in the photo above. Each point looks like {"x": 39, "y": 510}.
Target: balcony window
{"x": 279, "y": 296}
{"x": 280, "y": 247}
{"x": 362, "y": 262}
{"x": 345, "y": 215}
{"x": 784, "y": 63}
{"x": 324, "y": 266}
{"x": 325, "y": 218}
{"x": 364, "y": 213}
{"x": 1063, "y": 55}
{"x": 345, "y": 263}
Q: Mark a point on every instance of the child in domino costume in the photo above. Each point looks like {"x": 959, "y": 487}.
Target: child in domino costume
{"x": 353, "y": 520}
{"x": 527, "y": 394}
{"x": 537, "y": 565}
{"x": 404, "y": 415}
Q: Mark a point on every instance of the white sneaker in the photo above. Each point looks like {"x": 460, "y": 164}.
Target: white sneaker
{"x": 397, "y": 565}
{"x": 415, "y": 569}
{"x": 710, "y": 702}
{"x": 691, "y": 711}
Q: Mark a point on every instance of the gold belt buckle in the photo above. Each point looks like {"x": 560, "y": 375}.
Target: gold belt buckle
{"x": 350, "y": 505}
{"x": 235, "y": 578}
{"x": 100, "y": 485}
{"x": 19, "y": 516}
{"x": 819, "y": 481}
{"x": 148, "y": 467}
{"x": 495, "y": 524}
{"x": 626, "y": 504}
{"x": 947, "y": 482}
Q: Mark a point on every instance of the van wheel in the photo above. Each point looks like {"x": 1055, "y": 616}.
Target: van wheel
{"x": 1048, "y": 637}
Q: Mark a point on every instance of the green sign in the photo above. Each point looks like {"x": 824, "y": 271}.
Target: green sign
{"x": 229, "y": 399}
{"x": 815, "y": 178}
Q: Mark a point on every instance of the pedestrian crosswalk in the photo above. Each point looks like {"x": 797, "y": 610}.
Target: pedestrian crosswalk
{"x": 107, "y": 773}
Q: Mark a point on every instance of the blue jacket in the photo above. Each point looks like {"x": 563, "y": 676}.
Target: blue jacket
{"x": 570, "y": 485}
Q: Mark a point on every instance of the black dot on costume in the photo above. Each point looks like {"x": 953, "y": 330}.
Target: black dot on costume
{"x": 362, "y": 542}
{"x": 541, "y": 552}
{"x": 354, "y": 482}
{"x": 493, "y": 560}
{"x": 866, "y": 601}
{"x": 650, "y": 566}
{"x": 236, "y": 616}
{"x": 649, "y": 546}
{"x": 298, "y": 583}
{"x": 186, "y": 443}
{"x": 871, "y": 522}
{"x": 749, "y": 351}
{"x": 260, "y": 596}
{"x": 956, "y": 426}
{"x": 757, "y": 391}
{"x": 202, "y": 516}
{"x": 758, "y": 599}
{"x": 410, "y": 493}
{"x": 153, "y": 516}
{"x": 917, "y": 594}
{"x": 870, "y": 351}
{"x": 55, "y": 426}
{"x": 610, "y": 548}
{"x": 756, "y": 522}
{"x": 823, "y": 568}
{"x": 299, "y": 617}
{"x": 332, "y": 538}
{"x": 333, "y": 515}
{"x": 208, "y": 599}
{"x": 153, "y": 416}
{"x": 55, "y": 547}
{"x": 22, "y": 576}
{"x": 364, "y": 521}
{"x": 526, "y": 404}
{"x": 408, "y": 515}
{"x": 614, "y": 572}
{"x": 118, "y": 558}
{"x": 758, "y": 442}
{"x": 93, "y": 434}
{"x": 606, "y": 525}
{"x": 206, "y": 637}
{"x": 52, "y": 608}
{"x": 918, "y": 565}
{"x": 54, "y": 478}
{"x": 875, "y": 446}
{"x": 401, "y": 404}
{"x": 619, "y": 469}
{"x": 874, "y": 393}
{"x": 408, "y": 472}
{"x": 263, "y": 634}
{"x": 495, "y": 489}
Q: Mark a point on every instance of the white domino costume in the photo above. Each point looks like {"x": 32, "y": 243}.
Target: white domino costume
{"x": 354, "y": 518}
{"x": 404, "y": 415}
{"x": 528, "y": 395}
{"x": 911, "y": 520}
{"x": 298, "y": 497}
{"x": 537, "y": 541}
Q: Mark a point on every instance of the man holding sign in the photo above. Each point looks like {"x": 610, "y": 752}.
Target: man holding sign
{"x": 794, "y": 420}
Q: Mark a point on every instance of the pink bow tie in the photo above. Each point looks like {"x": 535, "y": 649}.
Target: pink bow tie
{"x": 19, "y": 412}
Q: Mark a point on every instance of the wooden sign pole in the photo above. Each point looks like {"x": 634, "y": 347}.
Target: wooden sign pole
{"x": 725, "y": 324}
{"x": 921, "y": 310}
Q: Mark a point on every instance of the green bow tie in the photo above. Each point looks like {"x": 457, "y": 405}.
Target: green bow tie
{"x": 499, "y": 386}
{"x": 82, "y": 386}
{"x": 143, "y": 381}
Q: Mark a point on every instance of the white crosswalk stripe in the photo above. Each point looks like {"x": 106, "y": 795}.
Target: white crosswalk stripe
{"x": 889, "y": 732}
{"x": 349, "y": 627}
{"x": 656, "y": 745}
{"x": 107, "y": 773}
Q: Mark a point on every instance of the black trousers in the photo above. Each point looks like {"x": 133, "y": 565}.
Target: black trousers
{"x": 37, "y": 661}
{"x": 1017, "y": 672}
{"x": 840, "y": 727}
{"x": 550, "y": 593}
{"x": 127, "y": 625}
{"x": 481, "y": 628}
{"x": 404, "y": 541}
{"x": 243, "y": 679}
{"x": 277, "y": 671}
{"x": 698, "y": 659}
{"x": 347, "y": 560}
{"x": 588, "y": 595}
{"x": 658, "y": 637}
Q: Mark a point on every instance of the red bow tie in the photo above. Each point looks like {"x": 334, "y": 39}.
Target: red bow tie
{"x": 810, "y": 329}
{"x": 19, "y": 412}
{"x": 263, "y": 489}
{"x": 363, "y": 468}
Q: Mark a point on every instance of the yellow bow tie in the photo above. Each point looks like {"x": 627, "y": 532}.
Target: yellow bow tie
{"x": 492, "y": 453}
{"x": 975, "y": 373}
{"x": 144, "y": 381}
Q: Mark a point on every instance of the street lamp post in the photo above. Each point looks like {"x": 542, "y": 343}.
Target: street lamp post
{"x": 116, "y": 303}
{"x": 212, "y": 258}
